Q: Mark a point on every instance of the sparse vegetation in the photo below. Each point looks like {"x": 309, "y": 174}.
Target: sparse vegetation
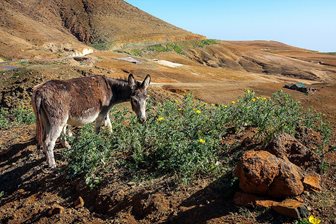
{"x": 332, "y": 53}
{"x": 203, "y": 43}
{"x": 136, "y": 52}
{"x": 4, "y": 121}
{"x": 184, "y": 138}
{"x": 101, "y": 45}
{"x": 166, "y": 48}
{"x": 177, "y": 47}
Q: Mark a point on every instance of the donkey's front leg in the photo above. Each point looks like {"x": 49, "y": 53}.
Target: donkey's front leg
{"x": 66, "y": 133}
{"x": 103, "y": 119}
{"x": 107, "y": 123}
{"x": 99, "y": 122}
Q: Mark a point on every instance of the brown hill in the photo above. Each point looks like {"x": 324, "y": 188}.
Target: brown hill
{"x": 268, "y": 57}
{"x": 28, "y": 26}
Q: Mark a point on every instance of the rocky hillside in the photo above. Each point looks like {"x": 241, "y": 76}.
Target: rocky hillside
{"x": 31, "y": 26}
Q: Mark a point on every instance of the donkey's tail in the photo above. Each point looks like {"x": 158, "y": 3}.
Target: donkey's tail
{"x": 39, "y": 114}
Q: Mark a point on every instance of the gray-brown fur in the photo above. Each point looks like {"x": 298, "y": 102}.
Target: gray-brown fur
{"x": 80, "y": 101}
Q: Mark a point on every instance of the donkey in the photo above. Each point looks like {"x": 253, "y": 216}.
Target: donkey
{"x": 81, "y": 101}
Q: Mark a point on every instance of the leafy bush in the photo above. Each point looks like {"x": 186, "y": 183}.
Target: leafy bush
{"x": 184, "y": 138}
{"x": 281, "y": 113}
{"x": 89, "y": 155}
{"x": 15, "y": 117}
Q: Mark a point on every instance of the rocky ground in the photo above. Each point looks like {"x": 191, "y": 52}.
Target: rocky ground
{"x": 286, "y": 169}
{"x": 267, "y": 177}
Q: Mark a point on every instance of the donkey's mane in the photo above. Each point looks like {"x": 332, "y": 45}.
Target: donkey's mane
{"x": 121, "y": 81}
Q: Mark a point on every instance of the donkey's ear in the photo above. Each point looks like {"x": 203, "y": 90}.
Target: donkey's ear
{"x": 131, "y": 81}
{"x": 146, "y": 82}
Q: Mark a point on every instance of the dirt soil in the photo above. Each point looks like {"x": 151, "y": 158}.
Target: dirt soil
{"x": 33, "y": 196}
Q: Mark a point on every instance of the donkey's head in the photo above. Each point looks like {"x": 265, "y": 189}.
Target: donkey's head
{"x": 139, "y": 96}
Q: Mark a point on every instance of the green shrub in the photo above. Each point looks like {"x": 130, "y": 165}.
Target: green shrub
{"x": 89, "y": 155}
{"x": 281, "y": 113}
{"x": 184, "y": 138}
{"x": 15, "y": 117}
{"x": 23, "y": 116}
{"x": 4, "y": 122}
{"x": 178, "y": 138}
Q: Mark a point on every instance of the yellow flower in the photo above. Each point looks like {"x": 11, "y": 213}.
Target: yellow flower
{"x": 198, "y": 111}
{"x": 254, "y": 99}
{"x": 160, "y": 119}
{"x": 233, "y": 102}
{"x": 176, "y": 101}
{"x": 201, "y": 140}
{"x": 179, "y": 109}
{"x": 248, "y": 91}
{"x": 314, "y": 220}
{"x": 225, "y": 106}
{"x": 264, "y": 98}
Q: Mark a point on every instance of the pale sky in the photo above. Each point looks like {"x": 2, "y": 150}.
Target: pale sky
{"x": 308, "y": 24}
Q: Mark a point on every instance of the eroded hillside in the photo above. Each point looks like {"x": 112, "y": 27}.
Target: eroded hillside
{"x": 34, "y": 27}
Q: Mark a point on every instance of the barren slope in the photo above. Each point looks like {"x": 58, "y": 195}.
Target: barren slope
{"x": 29, "y": 27}
{"x": 268, "y": 57}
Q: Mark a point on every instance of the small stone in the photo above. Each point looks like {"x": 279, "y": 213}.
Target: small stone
{"x": 291, "y": 208}
{"x": 313, "y": 182}
{"x": 56, "y": 210}
{"x": 300, "y": 199}
{"x": 266, "y": 203}
{"x": 21, "y": 191}
{"x": 131, "y": 183}
{"x": 79, "y": 203}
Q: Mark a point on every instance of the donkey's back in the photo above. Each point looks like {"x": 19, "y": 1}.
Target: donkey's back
{"x": 74, "y": 98}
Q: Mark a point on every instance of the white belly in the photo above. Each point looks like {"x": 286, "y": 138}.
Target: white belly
{"x": 82, "y": 120}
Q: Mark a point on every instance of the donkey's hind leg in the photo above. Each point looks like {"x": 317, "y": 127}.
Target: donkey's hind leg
{"x": 53, "y": 133}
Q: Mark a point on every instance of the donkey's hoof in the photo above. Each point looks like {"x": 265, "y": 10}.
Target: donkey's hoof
{"x": 48, "y": 170}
